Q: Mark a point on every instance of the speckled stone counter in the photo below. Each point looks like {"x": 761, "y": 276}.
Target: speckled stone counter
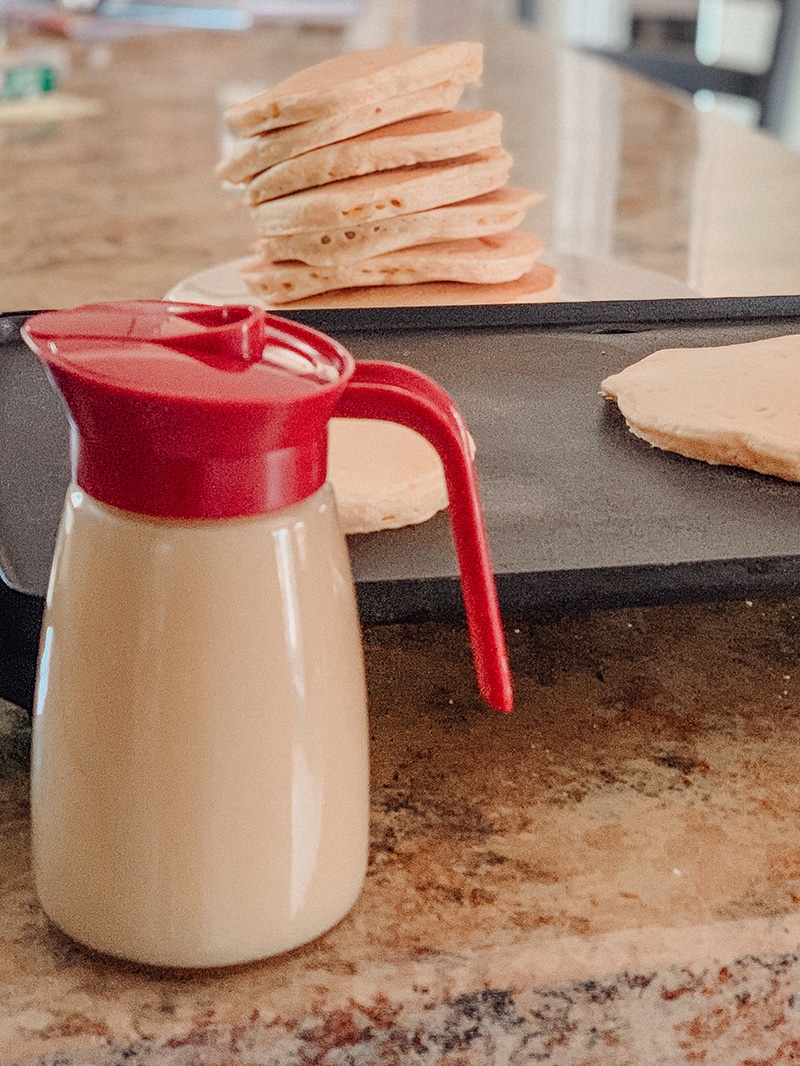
{"x": 611, "y": 875}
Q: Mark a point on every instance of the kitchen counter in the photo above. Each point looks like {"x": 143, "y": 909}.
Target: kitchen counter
{"x": 610, "y": 875}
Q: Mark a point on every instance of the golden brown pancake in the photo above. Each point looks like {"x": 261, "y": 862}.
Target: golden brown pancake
{"x": 542, "y": 284}
{"x": 494, "y": 212}
{"x": 356, "y": 79}
{"x": 383, "y": 475}
{"x": 475, "y": 260}
{"x": 251, "y": 155}
{"x": 735, "y": 405}
{"x": 423, "y": 139}
{"x": 373, "y": 197}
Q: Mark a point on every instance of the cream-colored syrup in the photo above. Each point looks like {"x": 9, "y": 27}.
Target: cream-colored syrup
{"x": 200, "y": 766}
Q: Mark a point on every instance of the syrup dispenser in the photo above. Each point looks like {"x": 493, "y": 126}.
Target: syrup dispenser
{"x": 200, "y": 765}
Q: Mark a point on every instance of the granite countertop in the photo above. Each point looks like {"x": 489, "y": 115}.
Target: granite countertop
{"x": 610, "y": 875}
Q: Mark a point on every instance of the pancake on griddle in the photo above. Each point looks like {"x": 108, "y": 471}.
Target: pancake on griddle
{"x": 734, "y": 405}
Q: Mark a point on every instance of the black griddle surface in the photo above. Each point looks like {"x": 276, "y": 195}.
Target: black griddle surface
{"x": 580, "y": 513}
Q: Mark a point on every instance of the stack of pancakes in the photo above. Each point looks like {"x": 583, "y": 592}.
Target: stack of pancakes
{"x": 366, "y": 186}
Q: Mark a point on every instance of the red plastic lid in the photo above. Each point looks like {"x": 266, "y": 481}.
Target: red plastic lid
{"x": 189, "y": 411}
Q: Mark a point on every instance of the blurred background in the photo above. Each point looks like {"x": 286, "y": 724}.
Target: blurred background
{"x": 737, "y": 56}
{"x": 740, "y": 57}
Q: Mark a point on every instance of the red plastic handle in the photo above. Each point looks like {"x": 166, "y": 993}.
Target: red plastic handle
{"x": 396, "y": 393}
